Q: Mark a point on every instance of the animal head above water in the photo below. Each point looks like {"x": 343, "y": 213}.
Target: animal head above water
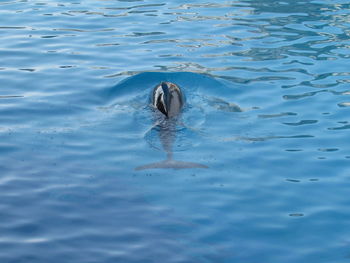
{"x": 167, "y": 97}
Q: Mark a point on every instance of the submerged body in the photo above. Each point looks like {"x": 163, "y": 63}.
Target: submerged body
{"x": 167, "y": 101}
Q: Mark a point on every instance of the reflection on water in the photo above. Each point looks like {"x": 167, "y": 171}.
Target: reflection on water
{"x": 266, "y": 110}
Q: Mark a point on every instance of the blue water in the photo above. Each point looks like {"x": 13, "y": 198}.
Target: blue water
{"x": 267, "y": 110}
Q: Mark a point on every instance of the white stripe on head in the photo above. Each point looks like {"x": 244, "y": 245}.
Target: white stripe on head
{"x": 158, "y": 93}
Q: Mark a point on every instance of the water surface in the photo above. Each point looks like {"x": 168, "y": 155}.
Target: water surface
{"x": 267, "y": 106}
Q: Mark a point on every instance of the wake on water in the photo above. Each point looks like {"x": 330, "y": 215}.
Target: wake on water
{"x": 199, "y": 91}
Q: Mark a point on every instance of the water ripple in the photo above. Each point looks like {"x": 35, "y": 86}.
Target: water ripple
{"x": 302, "y": 122}
{"x": 266, "y": 88}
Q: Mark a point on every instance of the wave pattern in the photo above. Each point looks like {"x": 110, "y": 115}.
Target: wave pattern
{"x": 267, "y": 88}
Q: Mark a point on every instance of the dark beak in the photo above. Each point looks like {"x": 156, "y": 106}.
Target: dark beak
{"x": 165, "y": 88}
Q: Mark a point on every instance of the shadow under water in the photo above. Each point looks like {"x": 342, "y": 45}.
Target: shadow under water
{"x": 166, "y": 129}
